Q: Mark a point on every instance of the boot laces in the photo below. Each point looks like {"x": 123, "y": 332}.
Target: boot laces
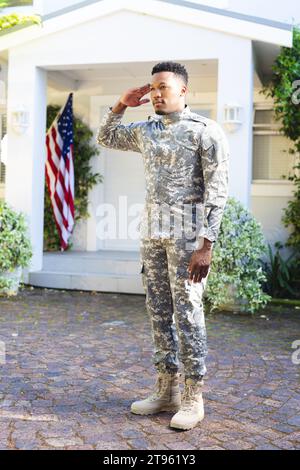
{"x": 188, "y": 397}
{"x": 161, "y": 386}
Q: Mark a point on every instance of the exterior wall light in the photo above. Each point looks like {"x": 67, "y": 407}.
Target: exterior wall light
{"x": 20, "y": 119}
{"x": 232, "y": 116}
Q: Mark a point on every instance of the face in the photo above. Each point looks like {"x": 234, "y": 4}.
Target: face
{"x": 167, "y": 92}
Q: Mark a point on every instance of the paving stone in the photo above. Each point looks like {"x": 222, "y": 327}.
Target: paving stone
{"x": 63, "y": 441}
{"x": 78, "y": 360}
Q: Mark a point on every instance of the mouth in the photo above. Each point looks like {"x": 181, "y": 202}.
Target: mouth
{"x": 158, "y": 103}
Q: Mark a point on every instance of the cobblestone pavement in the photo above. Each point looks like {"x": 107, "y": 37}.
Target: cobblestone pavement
{"x": 73, "y": 362}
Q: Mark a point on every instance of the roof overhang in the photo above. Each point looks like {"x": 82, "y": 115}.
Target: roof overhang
{"x": 201, "y": 16}
{"x": 265, "y": 56}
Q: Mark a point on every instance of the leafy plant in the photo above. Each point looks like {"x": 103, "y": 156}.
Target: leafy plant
{"x": 284, "y": 89}
{"x": 15, "y": 245}
{"x": 8, "y": 22}
{"x": 279, "y": 273}
{"x": 85, "y": 179}
{"x": 15, "y": 3}
{"x": 237, "y": 261}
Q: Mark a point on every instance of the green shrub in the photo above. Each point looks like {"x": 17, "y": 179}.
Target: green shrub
{"x": 281, "y": 274}
{"x": 15, "y": 246}
{"x": 236, "y": 261}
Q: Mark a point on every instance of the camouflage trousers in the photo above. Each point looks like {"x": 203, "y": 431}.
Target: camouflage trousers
{"x": 174, "y": 305}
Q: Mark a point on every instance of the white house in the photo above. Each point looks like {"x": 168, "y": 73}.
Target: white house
{"x": 97, "y": 49}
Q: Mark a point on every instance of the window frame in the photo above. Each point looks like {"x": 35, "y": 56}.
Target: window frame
{"x": 274, "y": 129}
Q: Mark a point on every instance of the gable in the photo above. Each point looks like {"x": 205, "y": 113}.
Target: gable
{"x": 97, "y": 41}
{"x": 179, "y": 11}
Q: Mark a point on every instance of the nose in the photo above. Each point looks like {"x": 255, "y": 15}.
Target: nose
{"x": 156, "y": 94}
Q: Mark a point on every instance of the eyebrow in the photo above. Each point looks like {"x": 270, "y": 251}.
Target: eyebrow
{"x": 165, "y": 83}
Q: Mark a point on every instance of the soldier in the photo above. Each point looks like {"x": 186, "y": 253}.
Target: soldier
{"x": 185, "y": 159}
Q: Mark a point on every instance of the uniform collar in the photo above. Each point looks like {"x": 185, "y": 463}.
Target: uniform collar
{"x": 174, "y": 116}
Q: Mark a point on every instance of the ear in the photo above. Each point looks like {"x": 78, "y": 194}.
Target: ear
{"x": 184, "y": 90}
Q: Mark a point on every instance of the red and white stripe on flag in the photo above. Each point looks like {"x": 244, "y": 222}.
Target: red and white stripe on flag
{"x": 60, "y": 171}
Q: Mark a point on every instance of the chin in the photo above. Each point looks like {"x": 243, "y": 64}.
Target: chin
{"x": 160, "y": 111}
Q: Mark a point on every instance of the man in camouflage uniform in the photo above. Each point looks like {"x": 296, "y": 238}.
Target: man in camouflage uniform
{"x": 186, "y": 170}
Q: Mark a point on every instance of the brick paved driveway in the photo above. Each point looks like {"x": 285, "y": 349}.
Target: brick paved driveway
{"x": 75, "y": 361}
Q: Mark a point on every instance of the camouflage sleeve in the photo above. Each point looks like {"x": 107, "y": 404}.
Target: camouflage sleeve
{"x": 215, "y": 164}
{"x": 113, "y": 134}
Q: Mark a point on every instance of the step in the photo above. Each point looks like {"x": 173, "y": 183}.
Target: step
{"x": 104, "y": 270}
{"x": 112, "y": 262}
{"x": 104, "y": 282}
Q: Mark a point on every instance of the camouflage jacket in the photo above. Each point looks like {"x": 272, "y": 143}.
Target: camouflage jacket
{"x": 186, "y": 159}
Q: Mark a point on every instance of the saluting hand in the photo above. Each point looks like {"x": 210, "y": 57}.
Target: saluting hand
{"x": 132, "y": 97}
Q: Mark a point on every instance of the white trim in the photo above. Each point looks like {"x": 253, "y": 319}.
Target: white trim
{"x": 267, "y": 128}
{"x": 268, "y": 132}
{"x": 274, "y": 126}
{"x": 264, "y": 105}
{"x": 272, "y": 188}
{"x": 212, "y": 3}
{"x": 171, "y": 12}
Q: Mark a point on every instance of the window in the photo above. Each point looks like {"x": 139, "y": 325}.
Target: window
{"x": 271, "y": 157}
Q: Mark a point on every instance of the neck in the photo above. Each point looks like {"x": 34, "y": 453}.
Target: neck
{"x": 174, "y": 116}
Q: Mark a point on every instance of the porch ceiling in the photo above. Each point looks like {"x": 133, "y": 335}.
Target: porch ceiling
{"x": 109, "y": 79}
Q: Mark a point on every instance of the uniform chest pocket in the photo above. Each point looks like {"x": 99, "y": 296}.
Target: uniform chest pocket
{"x": 187, "y": 139}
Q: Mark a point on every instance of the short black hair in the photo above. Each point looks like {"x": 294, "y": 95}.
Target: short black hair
{"x": 174, "y": 67}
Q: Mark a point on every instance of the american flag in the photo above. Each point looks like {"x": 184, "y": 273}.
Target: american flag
{"x": 60, "y": 171}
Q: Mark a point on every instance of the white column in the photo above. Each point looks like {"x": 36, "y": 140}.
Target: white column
{"x": 25, "y": 171}
{"x": 235, "y": 84}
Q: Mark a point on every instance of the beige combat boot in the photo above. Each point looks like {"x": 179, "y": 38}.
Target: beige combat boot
{"x": 166, "y": 397}
{"x": 192, "y": 409}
